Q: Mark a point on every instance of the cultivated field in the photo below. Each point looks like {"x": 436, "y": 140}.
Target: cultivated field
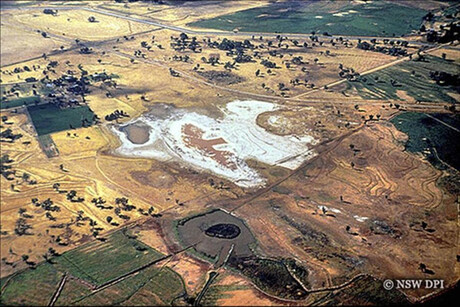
{"x": 106, "y": 277}
{"x": 341, "y": 18}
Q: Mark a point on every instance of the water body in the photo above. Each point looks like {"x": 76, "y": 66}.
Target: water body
{"x": 136, "y": 134}
{"x": 436, "y": 136}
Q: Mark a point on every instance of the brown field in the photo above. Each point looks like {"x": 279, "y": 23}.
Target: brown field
{"x": 234, "y": 290}
{"x": 182, "y": 13}
{"x": 30, "y": 45}
{"x": 74, "y": 24}
{"x": 356, "y": 207}
{"x": 193, "y": 271}
{"x": 371, "y": 187}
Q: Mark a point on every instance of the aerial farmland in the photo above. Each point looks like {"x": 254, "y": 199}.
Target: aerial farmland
{"x": 208, "y": 153}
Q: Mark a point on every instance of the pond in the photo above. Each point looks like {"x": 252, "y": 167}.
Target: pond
{"x": 223, "y": 231}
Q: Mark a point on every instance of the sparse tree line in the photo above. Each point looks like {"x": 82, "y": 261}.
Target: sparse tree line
{"x": 117, "y": 114}
{"x": 8, "y": 135}
{"x": 183, "y": 42}
{"x": 348, "y": 73}
{"x": 23, "y": 227}
{"x": 392, "y": 50}
{"x": 10, "y": 174}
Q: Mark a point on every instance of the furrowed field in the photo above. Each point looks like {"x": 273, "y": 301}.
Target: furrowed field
{"x": 91, "y": 266}
{"x": 411, "y": 77}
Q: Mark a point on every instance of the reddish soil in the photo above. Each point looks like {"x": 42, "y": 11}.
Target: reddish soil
{"x": 193, "y": 137}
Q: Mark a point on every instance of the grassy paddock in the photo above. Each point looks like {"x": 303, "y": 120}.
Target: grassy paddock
{"x": 24, "y": 101}
{"x": 32, "y": 287}
{"x": 411, "y": 77}
{"x": 49, "y": 118}
{"x": 72, "y": 291}
{"x": 379, "y": 18}
{"x": 153, "y": 286}
{"x": 97, "y": 263}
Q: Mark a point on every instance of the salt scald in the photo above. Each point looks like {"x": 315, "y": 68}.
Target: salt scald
{"x": 360, "y": 218}
{"x": 244, "y": 139}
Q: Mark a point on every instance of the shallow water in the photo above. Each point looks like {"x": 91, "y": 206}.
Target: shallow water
{"x": 137, "y": 134}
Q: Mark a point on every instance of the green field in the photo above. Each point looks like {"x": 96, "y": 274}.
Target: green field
{"x": 32, "y": 287}
{"x": 100, "y": 262}
{"x": 427, "y": 133}
{"x": 96, "y": 263}
{"x": 72, "y": 291}
{"x": 410, "y": 76}
{"x": 377, "y": 18}
{"x": 153, "y": 286}
{"x": 49, "y": 118}
{"x": 19, "y": 102}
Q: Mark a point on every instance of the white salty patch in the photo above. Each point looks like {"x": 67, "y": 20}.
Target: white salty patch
{"x": 274, "y": 120}
{"x": 241, "y": 139}
{"x": 329, "y": 209}
{"x": 360, "y": 218}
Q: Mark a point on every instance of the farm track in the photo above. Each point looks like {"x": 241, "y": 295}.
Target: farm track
{"x": 58, "y": 290}
{"x": 444, "y": 123}
{"x": 75, "y": 46}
